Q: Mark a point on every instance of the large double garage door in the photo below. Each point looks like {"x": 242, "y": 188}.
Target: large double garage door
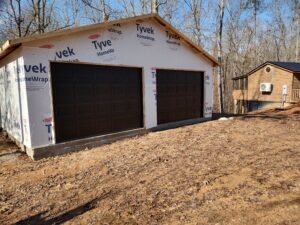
{"x": 179, "y": 95}
{"x": 92, "y": 100}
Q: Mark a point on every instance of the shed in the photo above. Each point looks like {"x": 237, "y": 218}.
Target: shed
{"x": 272, "y": 84}
{"x": 70, "y": 89}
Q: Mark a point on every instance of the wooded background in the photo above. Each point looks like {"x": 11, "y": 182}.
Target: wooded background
{"x": 241, "y": 34}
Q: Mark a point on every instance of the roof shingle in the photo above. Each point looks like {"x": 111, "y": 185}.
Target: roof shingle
{"x": 292, "y": 66}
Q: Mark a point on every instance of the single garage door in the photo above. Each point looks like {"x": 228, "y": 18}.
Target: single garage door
{"x": 179, "y": 95}
{"x": 91, "y": 100}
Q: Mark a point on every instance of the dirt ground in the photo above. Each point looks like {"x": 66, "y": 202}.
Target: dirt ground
{"x": 240, "y": 171}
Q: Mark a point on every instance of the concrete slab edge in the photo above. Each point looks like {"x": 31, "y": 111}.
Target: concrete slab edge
{"x": 179, "y": 124}
{"x": 81, "y": 144}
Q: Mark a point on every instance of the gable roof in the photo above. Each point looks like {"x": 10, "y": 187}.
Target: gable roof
{"x": 292, "y": 67}
{"x": 11, "y": 45}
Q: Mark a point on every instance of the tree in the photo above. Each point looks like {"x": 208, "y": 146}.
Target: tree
{"x": 42, "y": 14}
{"x": 220, "y": 51}
{"x": 156, "y": 4}
{"x": 254, "y": 5}
{"x": 23, "y": 18}
{"x": 102, "y": 11}
{"x": 195, "y": 9}
{"x": 296, "y": 18}
{"x": 16, "y": 23}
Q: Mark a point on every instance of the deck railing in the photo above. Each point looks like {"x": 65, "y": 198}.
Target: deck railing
{"x": 296, "y": 95}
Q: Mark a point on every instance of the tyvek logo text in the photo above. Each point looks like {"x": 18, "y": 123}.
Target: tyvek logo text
{"x": 35, "y": 68}
{"x": 145, "y": 33}
{"x": 65, "y": 53}
{"x": 101, "y": 44}
{"x": 115, "y": 32}
{"x": 104, "y": 49}
{"x": 48, "y": 124}
{"x": 36, "y": 76}
{"x": 173, "y": 40}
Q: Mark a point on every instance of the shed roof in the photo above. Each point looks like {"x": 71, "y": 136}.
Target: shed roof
{"x": 11, "y": 45}
{"x": 292, "y": 67}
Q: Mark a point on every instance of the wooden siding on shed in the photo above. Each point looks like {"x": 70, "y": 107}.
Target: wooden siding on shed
{"x": 277, "y": 77}
{"x": 296, "y": 81}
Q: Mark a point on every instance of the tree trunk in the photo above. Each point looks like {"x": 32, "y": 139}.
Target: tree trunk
{"x": 220, "y": 77}
{"x": 103, "y": 12}
{"x": 17, "y": 17}
{"x": 154, "y": 6}
{"x": 255, "y": 22}
{"x": 297, "y": 30}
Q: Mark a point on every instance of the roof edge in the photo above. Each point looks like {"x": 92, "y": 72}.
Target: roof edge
{"x": 10, "y": 45}
{"x": 261, "y": 66}
{"x": 7, "y": 48}
{"x": 187, "y": 40}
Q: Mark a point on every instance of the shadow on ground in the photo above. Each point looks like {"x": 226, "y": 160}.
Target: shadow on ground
{"x": 40, "y": 220}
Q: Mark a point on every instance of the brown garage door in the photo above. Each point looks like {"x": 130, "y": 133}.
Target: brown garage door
{"x": 92, "y": 100}
{"x": 179, "y": 95}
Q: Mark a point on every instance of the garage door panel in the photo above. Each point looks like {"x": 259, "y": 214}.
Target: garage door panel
{"x": 68, "y": 132}
{"x": 88, "y": 127}
{"x": 181, "y": 102}
{"x": 183, "y": 90}
{"x": 85, "y": 94}
{"x": 65, "y": 110}
{"x": 85, "y": 110}
{"x": 102, "y": 94}
{"x": 131, "y": 106}
{"x": 119, "y": 108}
{"x": 65, "y": 77}
{"x": 103, "y": 109}
{"x": 85, "y": 77}
{"x": 98, "y": 99}
{"x": 120, "y": 124}
{"x": 66, "y": 92}
{"x": 103, "y": 77}
{"x": 119, "y": 92}
{"x": 69, "y": 128}
{"x": 104, "y": 126}
{"x": 179, "y": 95}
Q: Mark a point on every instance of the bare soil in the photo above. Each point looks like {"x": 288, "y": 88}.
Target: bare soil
{"x": 240, "y": 171}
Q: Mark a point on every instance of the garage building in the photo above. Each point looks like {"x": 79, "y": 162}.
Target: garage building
{"x": 71, "y": 89}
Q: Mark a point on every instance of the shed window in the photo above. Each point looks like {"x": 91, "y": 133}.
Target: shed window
{"x": 296, "y": 82}
{"x": 240, "y": 84}
{"x": 236, "y": 84}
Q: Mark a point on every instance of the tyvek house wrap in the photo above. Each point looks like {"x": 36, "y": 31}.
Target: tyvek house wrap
{"x": 142, "y": 44}
{"x": 13, "y": 98}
